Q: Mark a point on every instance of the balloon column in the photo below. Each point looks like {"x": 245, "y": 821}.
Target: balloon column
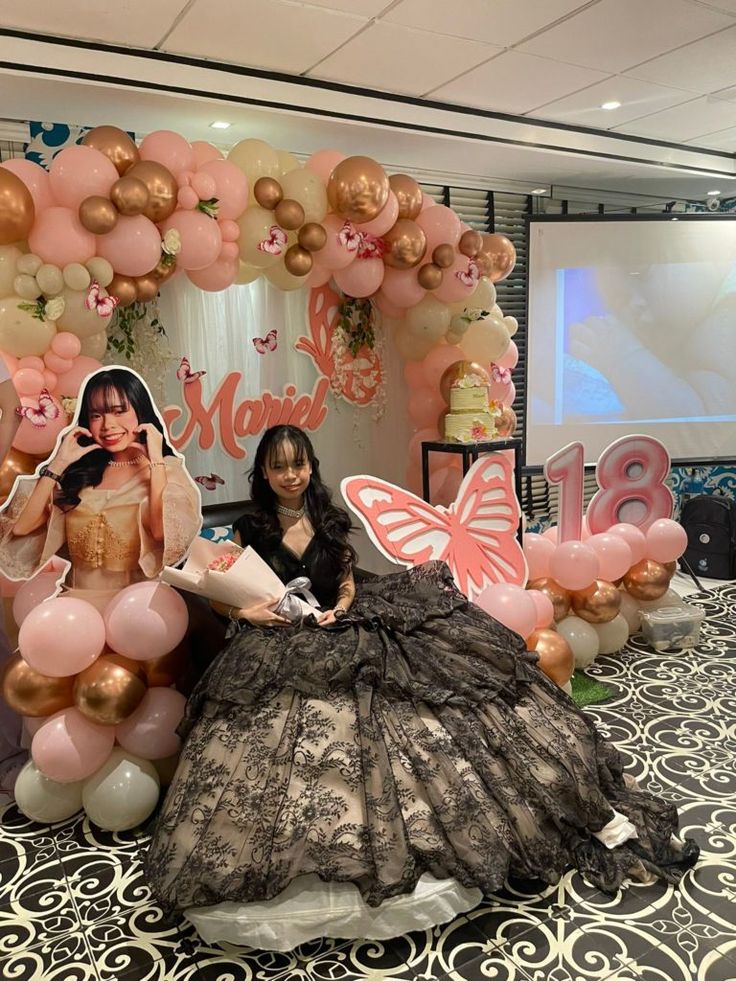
{"x": 94, "y": 694}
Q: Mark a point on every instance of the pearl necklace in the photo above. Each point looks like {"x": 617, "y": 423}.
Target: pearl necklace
{"x": 290, "y": 512}
{"x": 127, "y": 463}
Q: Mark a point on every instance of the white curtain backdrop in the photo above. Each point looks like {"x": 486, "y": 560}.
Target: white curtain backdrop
{"x": 215, "y": 331}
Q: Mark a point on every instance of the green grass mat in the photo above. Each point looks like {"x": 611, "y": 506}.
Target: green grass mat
{"x": 588, "y": 691}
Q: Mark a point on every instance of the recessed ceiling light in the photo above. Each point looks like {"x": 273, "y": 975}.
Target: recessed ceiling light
{"x": 611, "y": 105}
{"x": 712, "y": 194}
{"x": 220, "y": 124}
{"x": 539, "y": 190}
{"x": 674, "y": 219}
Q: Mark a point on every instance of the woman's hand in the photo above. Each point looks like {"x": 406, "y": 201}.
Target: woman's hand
{"x": 325, "y": 618}
{"x": 70, "y": 449}
{"x": 153, "y": 443}
{"x": 263, "y": 615}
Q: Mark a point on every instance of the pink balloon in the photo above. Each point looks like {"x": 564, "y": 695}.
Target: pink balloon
{"x": 444, "y": 483}
{"x": 169, "y": 149}
{"x": 323, "y": 162}
{"x": 425, "y": 406}
{"x": 441, "y": 226}
{"x": 69, "y": 382}
{"x": 187, "y": 198}
{"x": 49, "y": 379}
{"x": 66, "y": 345}
{"x": 229, "y": 251}
{"x": 78, "y": 172}
{"x": 68, "y": 747}
{"x": 59, "y": 237}
{"x": 204, "y": 152}
{"x": 385, "y": 220}
{"x": 545, "y": 610}
{"x": 319, "y": 276}
{"x": 454, "y": 288}
{"x": 230, "y": 230}
{"x": 414, "y": 374}
{"x": 427, "y": 435}
{"x": 36, "y": 179}
{"x": 574, "y": 565}
{"x": 500, "y": 391}
{"x": 511, "y": 605}
{"x": 39, "y": 440}
{"x": 32, "y": 725}
{"x": 31, "y": 362}
{"x": 32, "y": 593}
{"x": 634, "y": 538}
{"x": 27, "y": 381}
{"x": 219, "y": 275}
{"x": 614, "y": 555}
{"x": 9, "y": 587}
{"x": 57, "y": 364}
{"x": 334, "y": 254}
{"x": 150, "y": 732}
{"x": 551, "y": 534}
{"x": 387, "y": 308}
{"x": 230, "y": 187}
{"x": 146, "y": 620}
{"x": 401, "y": 287}
{"x": 201, "y": 240}
{"x": 184, "y": 179}
{"x": 427, "y": 202}
{"x": 62, "y": 636}
{"x": 537, "y": 552}
{"x": 510, "y": 358}
{"x": 133, "y": 247}
{"x": 361, "y": 278}
{"x": 204, "y": 185}
{"x": 666, "y": 540}
{"x": 438, "y": 361}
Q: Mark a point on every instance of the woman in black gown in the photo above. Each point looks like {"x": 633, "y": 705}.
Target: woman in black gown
{"x": 400, "y": 738}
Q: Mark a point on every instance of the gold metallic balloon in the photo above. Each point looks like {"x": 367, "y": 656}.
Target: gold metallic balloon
{"x": 312, "y": 236}
{"x": 31, "y": 693}
{"x": 115, "y": 144}
{"x": 289, "y": 214}
{"x": 556, "y": 594}
{"x": 499, "y": 251}
{"x": 458, "y": 370}
{"x": 443, "y": 256}
{"x": 671, "y": 568}
{"x": 358, "y": 189}
{"x": 109, "y": 690}
{"x": 16, "y": 464}
{"x": 17, "y": 212}
{"x": 165, "y": 269}
{"x": 429, "y": 276}
{"x": 267, "y": 192}
{"x": 647, "y": 580}
{"x": 162, "y": 188}
{"x": 98, "y": 215}
{"x": 146, "y": 287}
{"x": 556, "y": 659}
{"x": 598, "y": 603}
{"x": 484, "y": 264}
{"x": 405, "y": 243}
{"x": 164, "y": 671}
{"x": 129, "y": 195}
{"x": 470, "y": 243}
{"x": 408, "y": 194}
{"x": 506, "y": 423}
{"x": 124, "y": 288}
{"x": 298, "y": 261}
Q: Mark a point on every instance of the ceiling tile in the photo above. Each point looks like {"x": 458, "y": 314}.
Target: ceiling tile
{"x": 138, "y": 23}
{"x": 727, "y": 5}
{"x": 273, "y": 34}
{"x": 637, "y": 99}
{"x": 411, "y": 62}
{"x": 703, "y": 66}
{"x": 614, "y": 35}
{"x": 365, "y": 8}
{"x": 502, "y": 22}
{"x": 685, "y": 122}
{"x": 516, "y": 83}
{"x": 724, "y": 139}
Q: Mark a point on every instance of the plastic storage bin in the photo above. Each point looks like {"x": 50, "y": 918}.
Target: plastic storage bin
{"x": 672, "y": 626}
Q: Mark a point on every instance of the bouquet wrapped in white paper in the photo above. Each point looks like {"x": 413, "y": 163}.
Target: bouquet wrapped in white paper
{"x": 236, "y": 576}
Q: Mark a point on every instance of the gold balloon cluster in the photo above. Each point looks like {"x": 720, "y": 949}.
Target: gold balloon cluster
{"x": 556, "y": 658}
{"x": 648, "y": 580}
{"x": 290, "y": 216}
{"x": 17, "y": 211}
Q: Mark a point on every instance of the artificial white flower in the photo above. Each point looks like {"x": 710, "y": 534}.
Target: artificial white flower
{"x": 172, "y": 242}
{"x": 54, "y": 308}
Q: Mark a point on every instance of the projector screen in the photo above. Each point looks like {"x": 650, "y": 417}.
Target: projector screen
{"x": 632, "y": 329}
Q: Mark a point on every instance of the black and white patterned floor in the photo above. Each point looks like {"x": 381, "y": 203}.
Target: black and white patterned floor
{"x": 74, "y": 905}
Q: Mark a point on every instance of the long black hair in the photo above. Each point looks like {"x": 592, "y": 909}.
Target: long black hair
{"x": 118, "y": 386}
{"x": 331, "y": 523}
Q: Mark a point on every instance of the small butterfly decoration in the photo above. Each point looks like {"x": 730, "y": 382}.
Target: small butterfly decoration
{"x": 185, "y": 374}
{"x": 210, "y": 483}
{"x": 275, "y": 242}
{"x": 39, "y": 414}
{"x": 471, "y": 277}
{"x": 500, "y": 375}
{"x": 371, "y": 246}
{"x": 104, "y": 305}
{"x": 268, "y": 343}
{"x": 350, "y": 237}
{"x": 475, "y": 535}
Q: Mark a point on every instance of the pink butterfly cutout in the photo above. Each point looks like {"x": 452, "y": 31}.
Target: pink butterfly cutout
{"x": 104, "y": 305}
{"x": 350, "y": 237}
{"x": 275, "y": 242}
{"x": 500, "y": 375}
{"x": 475, "y": 535}
{"x": 185, "y": 374}
{"x": 210, "y": 483}
{"x": 371, "y": 246}
{"x": 471, "y": 276}
{"x": 39, "y": 414}
{"x": 267, "y": 343}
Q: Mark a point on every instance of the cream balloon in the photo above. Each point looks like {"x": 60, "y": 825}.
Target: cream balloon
{"x": 287, "y": 161}
{"x": 428, "y": 319}
{"x": 582, "y": 638}
{"x": 45, "y": 800}
{"x": 612, "y": 636}
{"x": 280, "y": 277}
{"x": 122, "y": 793}
{"x": 26, "y": 286}
{"x": 247, "y": 274}
{"x": 94, "y": 345}
{"x": 9, "y": 256}
{"x": 21, "y": 334}
{"x": 630, "y": 612}
{"x": 412, "y": 347}
{"x": 255, "y": 227}
{"x": 50, "y": 280}
{"x": 511, "y": 324}
{"x": 100, "y": 270}
{"x": 256, "y": 159}
{"x": 306, "y": 187}
{"x": 29, "y": 264}
{"x": 485, "y": 340}
{"x": 76, "y": 318}
{"x": 76, "y": 276}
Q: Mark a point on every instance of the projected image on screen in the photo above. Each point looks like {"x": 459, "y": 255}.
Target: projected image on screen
{"x": 632, "y": 328}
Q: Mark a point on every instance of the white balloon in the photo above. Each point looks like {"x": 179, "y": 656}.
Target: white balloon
{"x": 670, "y": 598}
{"x": 122, "y": 793}
{"x": 612, "y": 635}
{"x": 630, "y": 611}
{"x": 582, "y": 638}
{"x": 46, "y": 800}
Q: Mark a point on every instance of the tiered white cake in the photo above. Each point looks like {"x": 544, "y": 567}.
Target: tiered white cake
{"x": 470, "y": 419}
